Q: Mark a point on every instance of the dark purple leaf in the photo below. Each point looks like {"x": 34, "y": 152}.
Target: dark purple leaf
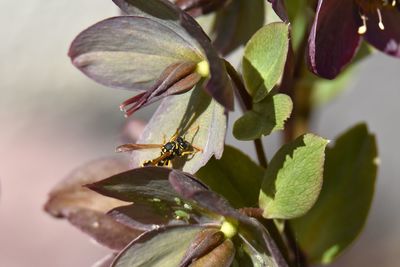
{"x": 333, "y": 40}
{"x": 387, "y": 40}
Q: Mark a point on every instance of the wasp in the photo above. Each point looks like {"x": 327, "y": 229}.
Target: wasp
{"x": 177, "y": 146}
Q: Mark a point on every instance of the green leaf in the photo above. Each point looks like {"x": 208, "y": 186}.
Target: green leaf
{"x": 164, "y": 247}
{"x": 236, "y": 23}
{"x": 238, "y": 183}
{"x": 342, "y": 208}
{"x": 293, "y": 179}
{"x": 264, "y": 59}
{"x": 267, "y": 116}
{"x": 194, "y": 114}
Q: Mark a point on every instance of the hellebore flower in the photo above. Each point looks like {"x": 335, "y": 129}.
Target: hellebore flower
{"x": 340, "y": 25}
{"x": 156, "y": 48}
{"x": 185, "y": 223}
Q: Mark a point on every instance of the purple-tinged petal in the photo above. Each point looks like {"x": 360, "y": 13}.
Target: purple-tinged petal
{"x": 333, "y": 40}
{"x": 177, "y": 78}
{"x": 190, "y": 188}
{"x": 142, "y": 215}
{"x": 86, "y": 210}
{"x": 106, "y": 261}
{"x": 221, "y": 256}
{"x": 204, "y": 242}
{"x": 141, "y": 184}
{"x": 219, "y": 85}
{"x": 236, "y": 23}
{"x": 387, "y": 40}
{"x": 164, "y": 246}
{"x": 130, "y": 52}
{"x": 253, "y": 230}
{"x": 163, "y": 11}
{"x": 206, "y": 129}
{"x": 70, "y": 195}
{"x": 200, "y": 7}
{"x": 103, "y": 228}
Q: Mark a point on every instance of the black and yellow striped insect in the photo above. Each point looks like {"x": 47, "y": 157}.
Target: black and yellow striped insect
{"x": 177, "y": 146}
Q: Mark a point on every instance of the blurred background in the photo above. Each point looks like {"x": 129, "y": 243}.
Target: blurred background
{"x": 53, "y": 119}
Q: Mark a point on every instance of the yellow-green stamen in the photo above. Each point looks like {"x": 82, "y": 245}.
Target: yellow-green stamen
{"x": 203, "y": 68}
{"x": 229, "y": 228}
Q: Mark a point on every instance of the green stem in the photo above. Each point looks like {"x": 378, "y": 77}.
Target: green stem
{"x": 246, "y": 104}
{"x": 299, "y": 257}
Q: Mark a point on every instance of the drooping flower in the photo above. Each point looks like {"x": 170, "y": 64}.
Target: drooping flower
{"x": 339, "y": 27}
{"x": 185, "y": 223}
{"x": 156, "y": 49}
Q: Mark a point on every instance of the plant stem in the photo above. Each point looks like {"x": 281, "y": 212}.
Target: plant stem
{"x": 262, "y": 159}
{"x": 246, "y": 104}
{"x": 297, "y": 125}
{"x": 298, "y": 255}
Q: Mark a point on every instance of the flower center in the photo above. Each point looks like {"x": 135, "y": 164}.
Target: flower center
{"x": 372, "y": 6}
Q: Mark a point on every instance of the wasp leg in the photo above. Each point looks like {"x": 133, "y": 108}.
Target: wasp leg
{"x": 192, "y": 153}
{"x": 198, "y": 149}
{"x": 176, "y": 134}
{"x": 188, "y": 153}
{"x": 193, "y": 129}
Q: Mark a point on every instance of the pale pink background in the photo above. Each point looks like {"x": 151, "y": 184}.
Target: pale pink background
{"x": 52, "y": 119}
